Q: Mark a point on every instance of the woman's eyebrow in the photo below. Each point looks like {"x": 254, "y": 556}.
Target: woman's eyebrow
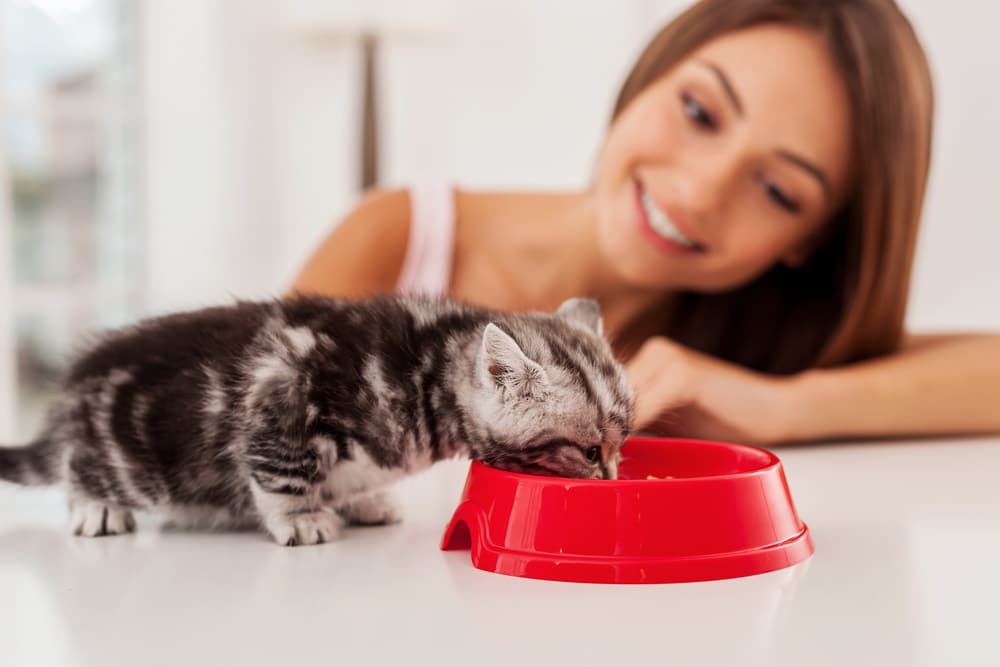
{"x": 788, "y": 156}
{"x": 809, "y": 168}
{"x": 727, "y": 86}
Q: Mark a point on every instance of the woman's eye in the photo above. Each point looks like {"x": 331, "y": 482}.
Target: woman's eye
{"x": 780, "y": 198}
{"x": 594, "y": 454}
{"x": 697, "y": 113}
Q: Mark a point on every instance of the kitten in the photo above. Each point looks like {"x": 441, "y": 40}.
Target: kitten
{"x": 288, "y": 415}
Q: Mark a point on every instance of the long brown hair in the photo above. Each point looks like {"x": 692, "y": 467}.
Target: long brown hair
{"x": 848, "y": 301}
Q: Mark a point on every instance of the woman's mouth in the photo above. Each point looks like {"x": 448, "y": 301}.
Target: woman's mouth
{"x": 660, "y": 229}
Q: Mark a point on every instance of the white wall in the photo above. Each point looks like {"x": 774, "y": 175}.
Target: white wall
{"x": 190, "y": 219}
{"x": 247, "y": 132}
{"x": 8, "y": 371}
{"x": 517, "y": 95}
{"x": 957, "y": 275}
{"x": 253, "y": 136}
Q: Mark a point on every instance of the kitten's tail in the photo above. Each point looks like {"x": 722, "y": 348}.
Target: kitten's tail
{"x": 36, "y": 464}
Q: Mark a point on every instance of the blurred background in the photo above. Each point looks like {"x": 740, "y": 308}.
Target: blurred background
{"x": 166, "y": 154}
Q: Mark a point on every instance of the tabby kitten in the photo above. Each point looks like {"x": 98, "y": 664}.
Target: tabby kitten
{"x": 289, "y": 415}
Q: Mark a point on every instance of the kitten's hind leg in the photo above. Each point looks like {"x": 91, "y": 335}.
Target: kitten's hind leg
{"x": 92, "y": 513}
{"x": 371, "y": 509}
{"x": 96, "y": 518}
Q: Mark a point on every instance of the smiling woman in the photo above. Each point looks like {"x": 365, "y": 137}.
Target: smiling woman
{"x": 802, "y": 114}
{"x": 749, "y": 231}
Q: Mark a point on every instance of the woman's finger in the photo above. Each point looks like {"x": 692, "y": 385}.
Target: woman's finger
{"x": 662, "y": 379}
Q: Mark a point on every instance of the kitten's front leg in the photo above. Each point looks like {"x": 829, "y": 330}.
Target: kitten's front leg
{"x": 287, "y": 466}
{"x": 372, "y": 509}
{"x": 294, "y": 520}
{"x": 286, "y": 481}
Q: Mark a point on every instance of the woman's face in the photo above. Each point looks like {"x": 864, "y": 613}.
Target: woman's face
{"x": 730, "y": 162}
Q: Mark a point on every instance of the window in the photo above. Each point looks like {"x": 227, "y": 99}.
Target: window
{"x": 72, "y": 160}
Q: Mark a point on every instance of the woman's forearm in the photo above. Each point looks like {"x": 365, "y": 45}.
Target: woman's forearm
{"x": 939, "y": 385}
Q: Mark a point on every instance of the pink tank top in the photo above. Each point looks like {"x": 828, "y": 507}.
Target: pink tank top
{"x": 428, "y": 261}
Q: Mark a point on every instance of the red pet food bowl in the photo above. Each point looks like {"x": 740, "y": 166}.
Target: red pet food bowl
{"x": 713, "y": 511}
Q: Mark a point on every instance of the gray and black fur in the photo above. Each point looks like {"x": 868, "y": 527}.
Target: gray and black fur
{"x": 286, "y": 414}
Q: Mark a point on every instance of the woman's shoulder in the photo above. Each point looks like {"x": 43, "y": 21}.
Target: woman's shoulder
{"x": 511, "y": 214}
{"x": 364, "y": 252}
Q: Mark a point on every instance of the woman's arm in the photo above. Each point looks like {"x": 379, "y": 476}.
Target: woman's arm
{"x": 934, "y": 385}
{"x": 364, "y": 253}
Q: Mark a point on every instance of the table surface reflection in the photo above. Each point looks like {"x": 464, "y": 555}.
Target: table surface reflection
{"x": 907, "y": 539}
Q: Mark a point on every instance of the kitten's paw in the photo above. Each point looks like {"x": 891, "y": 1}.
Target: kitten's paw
{"x": 374, "y": 509}
{"x": 92, "y": 518}
{"x": 305, "y": 528}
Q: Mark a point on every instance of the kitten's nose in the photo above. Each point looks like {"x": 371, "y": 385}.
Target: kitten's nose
{"x": 611, "y": 469}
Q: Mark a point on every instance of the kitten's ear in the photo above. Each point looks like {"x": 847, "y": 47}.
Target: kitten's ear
{"x": 583, "y": 311}
{"x": 506, "y": 367}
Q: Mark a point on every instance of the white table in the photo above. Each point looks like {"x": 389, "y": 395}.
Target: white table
{"x": 906, "y": 572}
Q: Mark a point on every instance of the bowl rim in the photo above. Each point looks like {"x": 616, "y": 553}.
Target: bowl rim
{"x": 773, "y": 462}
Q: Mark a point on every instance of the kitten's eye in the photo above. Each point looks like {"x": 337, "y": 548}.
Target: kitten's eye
{"x": 594, "y": 453}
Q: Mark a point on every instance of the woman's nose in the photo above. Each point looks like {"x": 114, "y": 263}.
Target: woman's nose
{"x": 701, "y": 191}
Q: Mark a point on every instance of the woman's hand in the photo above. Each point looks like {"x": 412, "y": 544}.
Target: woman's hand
{"x": 680, "y": 392}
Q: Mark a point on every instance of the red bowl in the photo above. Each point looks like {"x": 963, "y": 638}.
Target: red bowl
{"x": 723, "y": 511}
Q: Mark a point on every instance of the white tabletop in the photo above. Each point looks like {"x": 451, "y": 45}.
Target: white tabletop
{"x": 907, "y": 541}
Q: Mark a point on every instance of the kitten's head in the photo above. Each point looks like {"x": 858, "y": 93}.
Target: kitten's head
{"x": 551, "y": 395}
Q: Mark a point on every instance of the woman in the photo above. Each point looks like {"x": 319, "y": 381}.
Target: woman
{"x": 749, "y": 233}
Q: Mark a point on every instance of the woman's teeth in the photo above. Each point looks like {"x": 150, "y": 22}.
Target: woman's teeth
{"x": 661, "y": 223}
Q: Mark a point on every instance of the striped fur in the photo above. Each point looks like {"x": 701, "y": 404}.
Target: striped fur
{"x": 292, "y": 415}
